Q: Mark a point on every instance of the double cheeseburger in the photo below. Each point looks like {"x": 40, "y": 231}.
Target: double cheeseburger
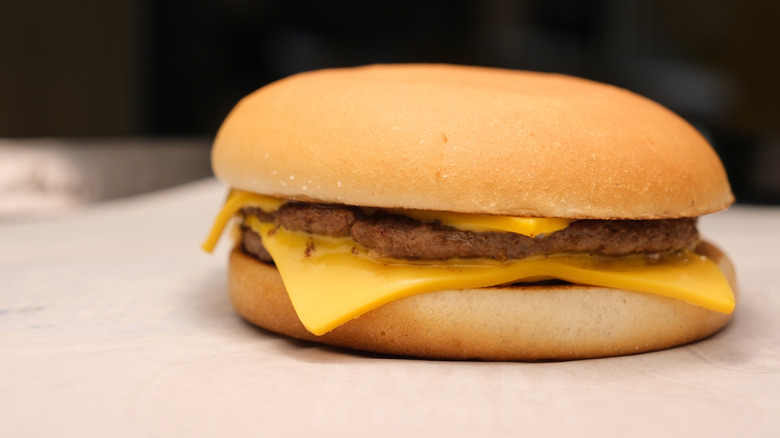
{"x": 456, "y": 212}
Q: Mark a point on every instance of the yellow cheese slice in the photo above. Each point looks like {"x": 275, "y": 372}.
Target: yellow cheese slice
{"x": 528, "y": 226}
{"x": 237, "y": 199}
{"x": 331, "y": 281}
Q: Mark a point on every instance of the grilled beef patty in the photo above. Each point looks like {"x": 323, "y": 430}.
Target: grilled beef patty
{"x": 397, "y": 236}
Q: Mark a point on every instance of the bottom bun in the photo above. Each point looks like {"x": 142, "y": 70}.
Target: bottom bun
{"x": 537, "y": 322}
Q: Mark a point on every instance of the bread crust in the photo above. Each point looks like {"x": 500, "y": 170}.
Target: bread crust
{"x": 469, "y": 139}
{"x": 500, "y": 323}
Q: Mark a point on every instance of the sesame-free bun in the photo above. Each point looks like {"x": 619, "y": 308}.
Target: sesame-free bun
{"x": 469, "y": 139}
{"x": 563, "y": 321}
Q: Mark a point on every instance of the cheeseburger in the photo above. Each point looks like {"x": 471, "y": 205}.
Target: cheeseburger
{"x": 457, "y": 212}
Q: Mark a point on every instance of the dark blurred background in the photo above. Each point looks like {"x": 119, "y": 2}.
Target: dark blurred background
{"x": 173, "y": 69}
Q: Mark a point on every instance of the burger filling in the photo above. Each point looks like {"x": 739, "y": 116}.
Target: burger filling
{"x": 338, "y": 262}
{"x": 389, "y": 235}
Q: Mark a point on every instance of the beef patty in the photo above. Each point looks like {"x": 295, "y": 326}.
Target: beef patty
{"x": 392, "y": 235}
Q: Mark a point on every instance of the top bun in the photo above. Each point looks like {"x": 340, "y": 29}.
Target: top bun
{"x": 469, "y": 139}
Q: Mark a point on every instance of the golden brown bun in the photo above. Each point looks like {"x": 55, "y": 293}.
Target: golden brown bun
{"x": 500, "y": 323}
{"x": 469, "y": 139}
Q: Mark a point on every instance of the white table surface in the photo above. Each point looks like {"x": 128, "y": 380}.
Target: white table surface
{"x": 114, "y": 323}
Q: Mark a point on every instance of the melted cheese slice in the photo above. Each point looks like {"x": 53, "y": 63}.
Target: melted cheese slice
{"x": 236, "y": 200}
{"x": 331, "y": 281}
{"x": 527, "y": 226}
